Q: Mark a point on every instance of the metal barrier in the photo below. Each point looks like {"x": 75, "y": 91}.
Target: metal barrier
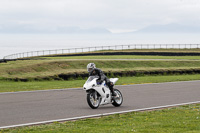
{"x": 100, "y": 48}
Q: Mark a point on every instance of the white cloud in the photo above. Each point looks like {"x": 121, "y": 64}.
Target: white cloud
{"x": 111, "y": 14}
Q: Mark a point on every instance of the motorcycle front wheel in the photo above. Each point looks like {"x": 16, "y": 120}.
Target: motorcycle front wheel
{"x": 117, "y": 101}
{"x": 93, "y": 99}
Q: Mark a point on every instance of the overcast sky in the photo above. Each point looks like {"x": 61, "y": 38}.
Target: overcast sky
{"x": 113, "y": 15}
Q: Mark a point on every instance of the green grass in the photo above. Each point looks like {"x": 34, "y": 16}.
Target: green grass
{"x": 11, "y": 86}
{"x": 53, "y": 66}
{"x": 125, "y": 57}
{"x": 46, "y": 68}
{"x": 172, "y": 120}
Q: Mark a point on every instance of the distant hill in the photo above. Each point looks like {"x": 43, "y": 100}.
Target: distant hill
{"x": 170, "y": 28}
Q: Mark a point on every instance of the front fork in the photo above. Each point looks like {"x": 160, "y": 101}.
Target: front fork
{"x": 95, "y": 95}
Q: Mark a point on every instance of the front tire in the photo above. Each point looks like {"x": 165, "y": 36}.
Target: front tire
{"x": 117, "y": 101}
{"x": 93, "y": 99}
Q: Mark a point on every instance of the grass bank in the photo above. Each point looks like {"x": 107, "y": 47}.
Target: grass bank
{"x": 178, "y": 119}
{"x": 11, "y": 86}
{"x": 51, "y": 68}
{"x": 125, "y": 57}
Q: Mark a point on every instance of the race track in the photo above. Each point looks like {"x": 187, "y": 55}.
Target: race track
{"x": 30, "y": 107}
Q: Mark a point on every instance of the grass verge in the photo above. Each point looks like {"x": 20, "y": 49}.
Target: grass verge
{"x": 11, "y": 86}
{"x": 41, "y": 69}
{"x": 178, "y": 119}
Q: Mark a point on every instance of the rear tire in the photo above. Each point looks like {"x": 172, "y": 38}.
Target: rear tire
{"x": 93, "y": 103}
{"x": 118, "y": 100}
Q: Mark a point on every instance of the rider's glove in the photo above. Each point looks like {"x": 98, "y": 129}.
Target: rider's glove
{"x": 99, "y": 81}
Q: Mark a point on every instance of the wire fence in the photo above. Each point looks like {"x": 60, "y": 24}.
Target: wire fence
{"x": 99, "y": 48}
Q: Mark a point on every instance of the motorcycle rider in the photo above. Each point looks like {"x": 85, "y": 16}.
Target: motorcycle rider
{"x": 93, "y": 71}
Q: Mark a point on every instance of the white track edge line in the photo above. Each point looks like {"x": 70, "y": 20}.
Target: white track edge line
{"x": 1, "y": 93}
{"x": 175, "y": 82}
{"x": 97, "y": 115}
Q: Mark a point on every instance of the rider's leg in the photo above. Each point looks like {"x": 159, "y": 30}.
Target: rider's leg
{"x": 110, "y": 85}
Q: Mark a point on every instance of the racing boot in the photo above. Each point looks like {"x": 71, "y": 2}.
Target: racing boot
{"x": 112, "y": 89}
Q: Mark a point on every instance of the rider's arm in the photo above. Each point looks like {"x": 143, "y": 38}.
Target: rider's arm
{"x": 98, "y": 71}
{"x": 100, "y": 74}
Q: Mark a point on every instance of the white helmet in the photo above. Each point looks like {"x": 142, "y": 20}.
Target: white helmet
{"x": 91, "y": 67}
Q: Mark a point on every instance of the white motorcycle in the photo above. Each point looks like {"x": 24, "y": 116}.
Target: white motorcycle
{"x": 100, "y": 94}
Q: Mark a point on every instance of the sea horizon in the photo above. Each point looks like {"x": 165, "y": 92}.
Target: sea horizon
{"x": 18, "y": 43}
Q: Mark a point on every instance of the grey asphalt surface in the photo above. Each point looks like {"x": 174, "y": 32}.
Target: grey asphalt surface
{"x": 29, "y": 107}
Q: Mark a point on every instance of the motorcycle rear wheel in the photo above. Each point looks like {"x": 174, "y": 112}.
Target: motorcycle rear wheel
{"x": 117, "y": 101}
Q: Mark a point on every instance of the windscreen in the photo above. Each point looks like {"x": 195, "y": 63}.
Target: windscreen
{"x": 91, "y": 78}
